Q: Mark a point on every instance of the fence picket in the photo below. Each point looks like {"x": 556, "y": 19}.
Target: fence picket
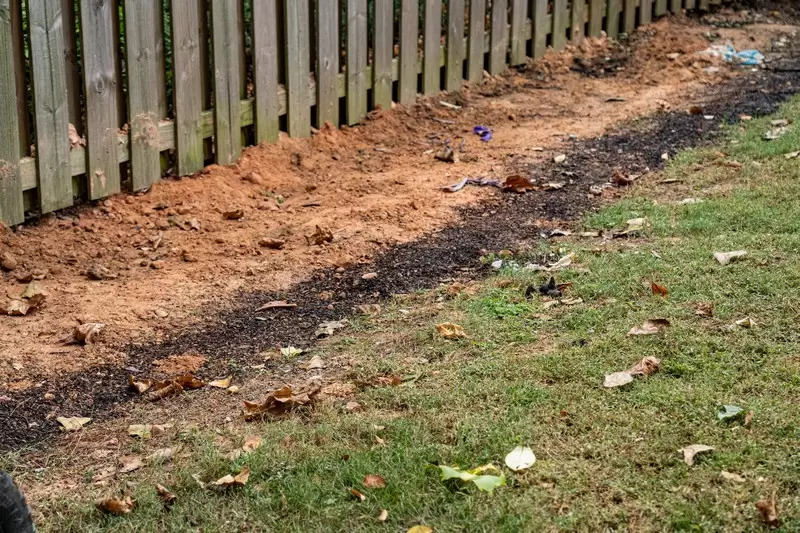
{"x": 356, "y": 60}
{"x": 297, "y": 68}
{"x": 691, "y": 4}
{"x": 540, "y": 28}
{"x": 577, "y": 23}
{"x": 188, "y": 86}
{"x": 499, "y": 37}
{"x": 100, "y": 87}
{"x": 383, "y": 52}
{"x": 629, "y": 16}
{"x": 596, "y": 13}
{"x": 477, "y": 39}
{"x": 455, "y": 44}
{"x": 227, "y": 83}
{"x": 645, "y": 12}
{"x": 71, "y": 68}
{"x": 11, "y": 205}
{"x": 409, "y": 31}
{"x": 519, "y": 16}
{"x": 327, "y": 73}
{"x": 559, "y": 28}
{"x": 18, "y": 47}
{"x": 675, "y": 6}
{"x": 612, "y": 18}
{"x": 265, "y": 70}
{"x": 50, "y": 105}
{"x": 703, "y": 5}
{"x": 660, "y": 7}
{"x": 432, "y": 60}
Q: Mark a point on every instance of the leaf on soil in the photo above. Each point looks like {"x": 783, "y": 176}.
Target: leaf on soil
{"x": 221, "y": 383}
{"x": 272, "y": 244}
{"x": 384, "y": 516}
{"x": 517, "y": 183}
{"x": 319, "y": 237}
{"x": 729, "y": 412}
{"x": 251, "y": 443}
{"x": 129, "y": 463}
{"x": 86, "y": 333}
{"x": 554, "y": 185}
{"x": 190, "y": 382}
{"x": 775, "y": 133}
{"x": 562, "y": 263}
{"x": 140, "y": 430}
{"x": 659, "y": 290}
{"x": 357, "y": 495}
{"x": 792, "y": 155}
{"x": 645, "y": 367}
{"x": 650, "y": 327}
{"x": 704, "y": 309}
{"x": 164, "y": 389}
{"x": 520, "y": 458}
{"x": 161, "y": 455}
{"x": 572, "y": 301}
{"x": 116, "y": 506}
{"x": 72, "y": 423}
{"x": 484, "y": 482}
{"x": 617, "y": 379}
{"x": 448, "y": 330}
{"x": 690, "y": 451}
{"x": 369, "y": 309}
{"x": 278, "y": 304}
{"x": 239, "y": 480}
{"x": 234, "y": 214}
{"x": 16, "y": 308}
{"x": 373, "y": 481}
{"x": 139, "y": 385}
{"x": 746, "y": 322}
{"x": 280, "y": 402}
{"x": 420, "y": 529}
{"x": 291, "y": 351}
{"x": 726, "y": 257}
{"x": 166, "y": 495}
{"x": 314, "y": 363}
{"x": 769, "y": 511}
{"x": 730, "y": 476}
{"x": 326, "y": 329}
{"x": 748, "y": 417}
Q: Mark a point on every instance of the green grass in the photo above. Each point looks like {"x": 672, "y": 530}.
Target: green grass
{"x": 526, "y": 375}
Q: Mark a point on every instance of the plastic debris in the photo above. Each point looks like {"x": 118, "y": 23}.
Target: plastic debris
{"x": 480, "y": 182}
{"x": 484, "y": 133}
{"x": 748, "y": 58}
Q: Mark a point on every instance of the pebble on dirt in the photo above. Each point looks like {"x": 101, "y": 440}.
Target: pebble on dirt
{"x": 8, "y": 262}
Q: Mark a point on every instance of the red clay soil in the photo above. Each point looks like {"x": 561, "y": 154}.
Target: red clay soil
{"x": 173, "y": 251}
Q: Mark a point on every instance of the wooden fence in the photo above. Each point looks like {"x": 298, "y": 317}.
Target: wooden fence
{"x": 101, "y": 95}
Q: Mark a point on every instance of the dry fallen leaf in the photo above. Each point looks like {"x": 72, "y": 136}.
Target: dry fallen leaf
{"x": 139, "y": 385}
{"x": 319, "y": 237}
{"x": 704, "y": 309}
{"x": 86, "y": 333}
{"x": 448, "y": 330}
{"x": 221, "y": 383}
{"x": 730, "y": 476}
{"x": 72, "y": 423}
{"x": 420, "y": 529}
{"x": 726, "y": 257}
{"x": 650, "y": 327}
{"x": 690, "y": 451}
{"x": 278, "y": 304}
{"x": 234, "y": 214}
{"x": 16, "y": 308}
{"x": 161, "y": 455}
{"x": 280, "y": 402}
{"x": 357, "y": 495}
{"x": 561, "y": 264}
{"x": 167, "y": 496}
{"x": 617, "y": 379}
{"x": 748, "y": 417}
{"x": 116, "y": 506}
{"x": 128, "y": 463}
{"x": 164, "y": 389}
{"x": 240, "y": 480}
{"x": 659, "y": 290}
{"x": 769, "y": 511}
{"x": 251, "y": 443}
{"x": 517, "y": 183}
{"x": 746, "y": 322}
{"x": 314, "y": 363}
{"x": 140, "y": 430}
{"x": 372, "y": 481}
{"x": 645, "y": 367}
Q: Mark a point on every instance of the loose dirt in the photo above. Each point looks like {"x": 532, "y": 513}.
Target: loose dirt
{"x": 189, "y": 281}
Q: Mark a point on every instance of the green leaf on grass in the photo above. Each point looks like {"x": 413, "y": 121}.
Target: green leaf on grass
{"x": 484, "y": 482}
{"x": 729, "y": 412}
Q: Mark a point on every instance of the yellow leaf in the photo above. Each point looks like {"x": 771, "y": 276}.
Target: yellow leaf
{"x": 73, "y": 423}
{"x": 221, "y": 383}
{"x": 420, "y": 529}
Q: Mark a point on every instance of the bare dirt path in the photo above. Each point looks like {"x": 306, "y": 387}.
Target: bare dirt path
{"x": 178, "y": 262}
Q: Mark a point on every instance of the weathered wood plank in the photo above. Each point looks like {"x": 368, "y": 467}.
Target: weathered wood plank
{"x": 265, "y": 70}
{"x": 560, "y": 18}
{"x": 612, "y": 18}
{"x": 71, "y": 66}
{"x": 499, "y": 37}
{"x": 298, "y": 61}
{"x": 227, "y": 81}
{"x": 12, "y": 209}
{"x": 596, "y": 13}
{"x": 675, "y": 6}
{"x": 477, "y": 39}
{"x": 645, "y": 11}
{"x": 187, "y": 69}
{"x": 356, "y": 60}
{"x": 143, "y": 92}
{"x": 703, "y": 5}
{"x": 540, "y": 28}
{"x": 18, "y": 40}
{"x": 383, "y": 52}
{"x": 455, "y": 45}
{"x": 660, "y": 7}
{"x": 51, "y": 108}
{"x": 629, "y": 16}
{"x": 690, "y": 4}
{"x": 409, "y": 28}
{"x": 328, "y": 61}
{"x": 519, "y": 16}
{"x": 578, "y": 16}
{"x": 432, "y": 60}
{"x": 100, "y": 89}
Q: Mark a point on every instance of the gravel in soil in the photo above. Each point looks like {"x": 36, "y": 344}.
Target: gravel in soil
{"x": 235, "y": 334}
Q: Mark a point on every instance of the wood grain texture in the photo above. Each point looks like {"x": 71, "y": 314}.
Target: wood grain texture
{"x": 100, "y": 72}
{"x": 227, "y": 81}
{"x": 477, "y": 39}
{"x": 577, "y": 24}
{"x": 455, "y": 45}
{"x": 383, "y": 52}
{"x": 519, "y": 40}
{"x": 18, "y": 45}
{"x": 265, "y": 70}
{"x": 296, "y": 32}
{"x": 560, "y": 22}
{"x": 612, "y": 18}
{"x": 540, "y": 28}
{"x": 660, "y": 8}
{"x": 499, "y": 37}
{"x": 356, "y": 60}
{"x": 596, "y": 14}
{"x": 51, "y": 107}
{"x": 645, "y": 11}
{"x": 72, "y": 67}
{"x": 327, "y": 67}
{"x": 629, "y": 16}
{"x": 409, "y": 30}
{"x": 12, "y": 210}
{"x": 432, "y": 58}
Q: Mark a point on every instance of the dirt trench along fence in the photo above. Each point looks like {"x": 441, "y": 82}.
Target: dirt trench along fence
{"x": 101, "y": 95}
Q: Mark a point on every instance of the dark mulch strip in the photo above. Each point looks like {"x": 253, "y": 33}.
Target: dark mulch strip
{"x": 234, "y": 336}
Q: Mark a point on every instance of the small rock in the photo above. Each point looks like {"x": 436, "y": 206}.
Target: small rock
{"x": 8, "y": 262}
{"x": 369, "y": 275}
{"x": 157, "y": 265}
{"x": 272, "y": 244}
{"x": 560, "y": 158}
{"x": 254, "y": 178}
{"x": 98, "y": 272}
{"x": 161, "y": 313}
{"x": 49, "y": 396}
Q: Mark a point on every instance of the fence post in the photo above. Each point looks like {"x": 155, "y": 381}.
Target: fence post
{"x": 327, "y": 70}
{"x": 383, "y": 52}
{"x": 455, "y": 44}
{"x": 409, "y": 31}
{"x": 499, "y": 39}
{"x": 356, "y": 60}
{"x": 265, "y": 69}
{"x": 11, "y": 207}
{"x": 477, "y": 39}
{"x": 432, "y": 58}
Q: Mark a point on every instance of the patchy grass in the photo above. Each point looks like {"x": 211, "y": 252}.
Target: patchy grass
{"x": 532, "y": 375}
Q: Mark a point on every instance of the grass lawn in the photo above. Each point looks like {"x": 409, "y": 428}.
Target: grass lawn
{"x": 529, "y": 374}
